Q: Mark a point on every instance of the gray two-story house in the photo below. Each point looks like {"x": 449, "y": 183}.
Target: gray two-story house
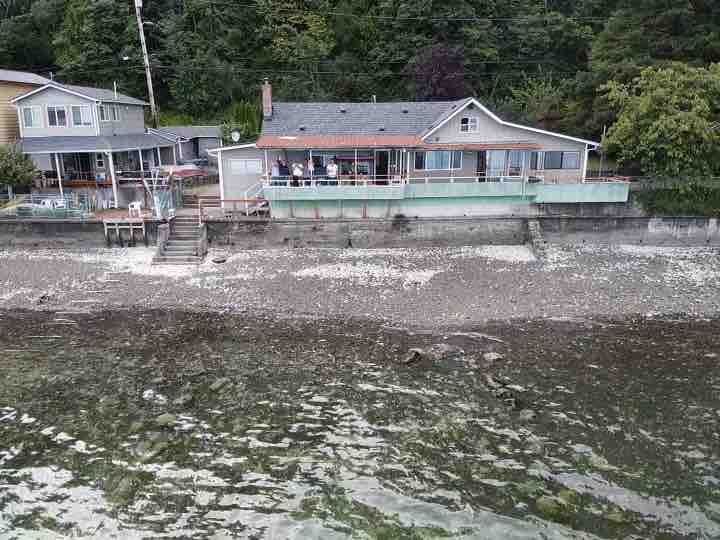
{"x": 89, "y": 137}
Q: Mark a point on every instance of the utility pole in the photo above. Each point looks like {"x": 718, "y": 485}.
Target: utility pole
{"x": 146, "y": 60}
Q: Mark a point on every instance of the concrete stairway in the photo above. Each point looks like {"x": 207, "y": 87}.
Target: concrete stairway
{"x": 183, "y": 245}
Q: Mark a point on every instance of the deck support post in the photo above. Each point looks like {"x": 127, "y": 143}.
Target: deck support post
{"x": 222, "y": 183}
{"x": 59, "y": 174}
{"x": 311, "y": 169}
{"x": 111, "y": 163}
{"x": 267, "y": 166}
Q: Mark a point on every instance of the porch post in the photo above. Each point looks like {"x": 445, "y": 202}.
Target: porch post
{"x": 158, "y": 156}
{"x": 585, "y": 164}
{"x": 267, "y": 166}
{"x": 174, "y": 156}
{"x": 59, "y": 174}
{"x": 220, "y": 174}
{"x": 355, "y": 168}
{"x": 111, "y": 163}
{"x": 313, "y": 167}
{"x": 142, "y": 169}
{"x": 408, "y": 157}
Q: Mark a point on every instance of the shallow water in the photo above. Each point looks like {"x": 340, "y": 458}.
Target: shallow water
{"x": 179, "y": 425}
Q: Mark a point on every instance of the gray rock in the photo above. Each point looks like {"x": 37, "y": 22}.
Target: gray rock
{"x": 183, "y": 399}
{"x": 219, "y": 260}
{"x": 413, "y": 356}
{"x": 492, "y": 356}
{"x": 218, "y": 384}
{"x": 166, "y": 419}
{"x": 526, "y": 415}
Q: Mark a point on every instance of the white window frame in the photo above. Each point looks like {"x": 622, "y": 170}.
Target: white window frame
{"x": 473, "y": 124}
{"x": 99, "y": 161}
{"x": 116, "y": 112}
{"x": 55, "y": 109}
{"x": 232, "y": 163}
{"x": 562, "y": 160}
{"x": 451, "y": 152}
{"x": 540, "y": 161}
{"x": 109, "y": 112}
{"x": 83, "y": 117}
{"x": 35, "y": 113}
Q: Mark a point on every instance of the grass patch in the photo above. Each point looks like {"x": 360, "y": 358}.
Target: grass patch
{"x": 690, "y": 199}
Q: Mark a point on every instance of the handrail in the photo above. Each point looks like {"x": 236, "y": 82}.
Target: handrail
{"x": 244, "y": 202}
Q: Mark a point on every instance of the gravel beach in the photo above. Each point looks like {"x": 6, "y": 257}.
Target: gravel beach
{"x": 435, "y": 287}
{"x": 323, "y": 393}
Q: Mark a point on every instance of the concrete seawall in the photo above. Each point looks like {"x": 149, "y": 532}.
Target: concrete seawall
{"x": 670, "y": 231}
{"x": 58, "y": 233}
{"x": 369, "y": 233}
{"x": 388, "y": 233}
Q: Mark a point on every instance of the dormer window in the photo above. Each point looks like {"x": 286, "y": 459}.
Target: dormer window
{"x": 469, "y": 124}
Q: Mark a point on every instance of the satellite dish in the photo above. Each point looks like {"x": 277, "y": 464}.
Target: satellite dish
{"x": 235, "y": 135}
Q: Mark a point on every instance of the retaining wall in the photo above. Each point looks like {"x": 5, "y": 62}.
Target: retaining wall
{"x": 671, "y": 231}
{"x": 368, "y": 233}
{"x": 400, "y": 232}
{"x": 58, "y": 233}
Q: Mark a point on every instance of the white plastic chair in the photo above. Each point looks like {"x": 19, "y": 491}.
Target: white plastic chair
{"x": 135, "y": 207}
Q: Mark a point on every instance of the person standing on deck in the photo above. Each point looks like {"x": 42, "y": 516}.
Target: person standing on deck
{"x": 332, "y": 171}
{"x": 297, "y": 173}
{"x": 310, "y": 169}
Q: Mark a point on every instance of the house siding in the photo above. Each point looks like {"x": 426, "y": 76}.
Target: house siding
{"x": 207, "y": 143}
{"x": 54, "y": 97}
{"x": 235, "y": 185}
{"x": 132, "y": 120}
{"x": 9, "y": 129}
{"x": 132, "y": 117}
{"x": 490, "y": 131}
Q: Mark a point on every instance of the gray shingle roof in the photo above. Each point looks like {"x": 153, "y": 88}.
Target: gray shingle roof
{"x": 398, "y": 118}
{"x": 102, "y": 94}
{"x": 22, "y": 77}
{"x": 46, "y": 145}
{"x": 192, "y": 132}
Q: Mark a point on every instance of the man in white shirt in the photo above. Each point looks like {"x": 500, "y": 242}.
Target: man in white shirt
{"x": 297, "y": 173}
{"x": 332, "y": 170}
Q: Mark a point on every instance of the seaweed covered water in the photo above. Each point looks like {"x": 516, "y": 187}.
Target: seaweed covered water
{"x": 187, "y": 425}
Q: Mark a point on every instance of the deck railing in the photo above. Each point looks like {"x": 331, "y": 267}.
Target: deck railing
{"x": 286, "y": 181}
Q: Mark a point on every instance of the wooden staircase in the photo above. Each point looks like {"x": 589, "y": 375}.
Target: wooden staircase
{"x": 183, "y": 245}
{"x": 208, "y": 201}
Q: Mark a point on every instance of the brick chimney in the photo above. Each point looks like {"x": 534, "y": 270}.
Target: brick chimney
{"x": 267, "y": 99}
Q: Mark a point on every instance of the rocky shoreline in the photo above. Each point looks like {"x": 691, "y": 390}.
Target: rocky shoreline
{"x": 418, "y": 288}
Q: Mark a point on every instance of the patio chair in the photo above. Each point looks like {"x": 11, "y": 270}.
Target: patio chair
{"x": 135, "y": 207}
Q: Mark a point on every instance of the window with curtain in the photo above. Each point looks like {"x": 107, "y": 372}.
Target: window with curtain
{"x": 438, "y": 160}
{"x": 81, "y": 115}
{"x": 496, "y": 162}
{"x": 562, "y": 160}
{"x": 31, "y": 117}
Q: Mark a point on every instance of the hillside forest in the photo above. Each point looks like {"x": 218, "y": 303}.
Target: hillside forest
{"x": 643, "y": 71}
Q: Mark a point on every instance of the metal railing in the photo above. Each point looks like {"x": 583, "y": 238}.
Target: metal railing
{"x": 244, "y": 207}
{"x": 48, "y": 206}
